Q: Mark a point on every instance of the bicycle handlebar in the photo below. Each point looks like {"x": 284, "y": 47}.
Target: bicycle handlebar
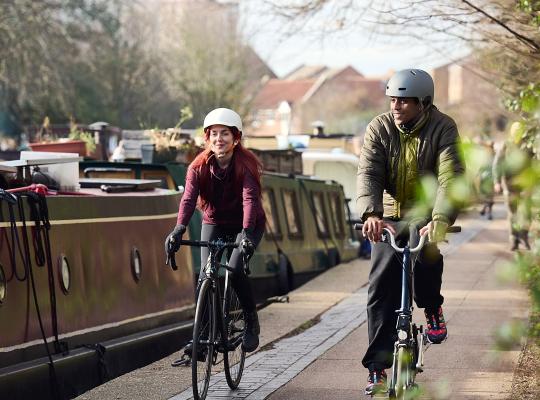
{"x": 209, "y": 243}
{"x": 219, "y": 244}
{"x": 392, "y": 241}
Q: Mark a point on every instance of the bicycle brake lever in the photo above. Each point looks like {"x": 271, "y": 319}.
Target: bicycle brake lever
{"x": 246, "y": 265}
{"x": 171, "y": 261}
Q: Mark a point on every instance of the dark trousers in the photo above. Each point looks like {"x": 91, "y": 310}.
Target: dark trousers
{"x": 384, "y": 295}
{"x": 239, "y": 279}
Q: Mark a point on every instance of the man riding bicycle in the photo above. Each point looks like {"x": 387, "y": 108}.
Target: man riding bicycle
{"x": 412, "y": 141}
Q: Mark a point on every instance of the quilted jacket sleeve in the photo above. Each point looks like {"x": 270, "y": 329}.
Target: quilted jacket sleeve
{"x": 371, "y": 171}
{"x": 449, "y": 167}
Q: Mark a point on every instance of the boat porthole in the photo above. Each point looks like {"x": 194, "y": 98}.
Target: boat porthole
{"x": 64, "y": 273}
{"x": 3, "y": 286}
{"x": 136, "y": 265}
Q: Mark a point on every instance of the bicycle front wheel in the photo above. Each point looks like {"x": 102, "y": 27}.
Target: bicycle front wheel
{"x": 234, "y": 355}
{"x": 204, "y": 332}
{"x": 401, "y": 373}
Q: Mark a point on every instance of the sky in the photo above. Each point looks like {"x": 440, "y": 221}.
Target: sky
{"x": 371, "y": 54}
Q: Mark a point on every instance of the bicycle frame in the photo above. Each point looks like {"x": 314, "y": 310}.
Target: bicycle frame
{"x": 210, "y": 271}
{"x": 408, "y": 338}
{"x": 409, "y": 346}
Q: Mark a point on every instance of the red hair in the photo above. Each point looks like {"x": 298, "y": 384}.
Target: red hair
{"x": 242, "y": 160}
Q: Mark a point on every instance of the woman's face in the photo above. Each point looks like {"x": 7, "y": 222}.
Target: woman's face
{"x": 221, "y": 140}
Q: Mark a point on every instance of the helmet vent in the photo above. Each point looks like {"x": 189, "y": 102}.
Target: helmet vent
{"x": 402, "y": 88}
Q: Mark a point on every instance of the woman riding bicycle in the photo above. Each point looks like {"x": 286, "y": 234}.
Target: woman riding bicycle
{"x": 412, "y": 141}
{"x": 225, "y": 179}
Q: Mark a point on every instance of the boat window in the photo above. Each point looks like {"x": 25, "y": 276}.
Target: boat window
{"x": 291, "y": 209}
{"x": 336, "y": 207}
{"x": 320, "y": 214}
{"x": 272, "y": 221}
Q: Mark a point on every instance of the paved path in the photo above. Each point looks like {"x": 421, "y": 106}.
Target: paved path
{"x": 323, "y": 362}
{"x": 466, "y": 366}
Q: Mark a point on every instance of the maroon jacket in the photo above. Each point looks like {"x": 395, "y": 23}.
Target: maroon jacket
{"x": 226, "y": 207}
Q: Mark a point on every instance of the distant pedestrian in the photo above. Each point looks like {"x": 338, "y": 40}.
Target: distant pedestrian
{"x": 485, "y": 181}
{"x": 511, "y": 161}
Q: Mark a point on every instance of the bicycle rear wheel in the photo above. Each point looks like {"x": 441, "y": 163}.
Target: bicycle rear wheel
{"x": 234, "y": 355}
{"x": 204, "y": 332}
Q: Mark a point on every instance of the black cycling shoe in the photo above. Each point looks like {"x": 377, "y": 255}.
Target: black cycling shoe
{"x": 250, "y": 341}
{"x": 201, "y": 352}
{"x": 436, "y": 331}
{"x": 376, "y": 382}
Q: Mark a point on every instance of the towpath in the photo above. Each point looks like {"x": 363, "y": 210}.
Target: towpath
{"x": 311, "y": 347}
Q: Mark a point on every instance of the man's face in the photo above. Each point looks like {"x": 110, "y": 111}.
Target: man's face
{"x": 404, "y": 109}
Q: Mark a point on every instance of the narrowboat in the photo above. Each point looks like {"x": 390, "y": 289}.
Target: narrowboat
{"x": 307, "y": 228}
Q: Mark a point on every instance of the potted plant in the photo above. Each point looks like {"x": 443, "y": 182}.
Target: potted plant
{"x": 171, "y": 144}
{"x": 77, "y": 142}
{"x": 76, "y": 134}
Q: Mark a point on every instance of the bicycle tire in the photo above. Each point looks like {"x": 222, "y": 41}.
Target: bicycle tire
{"x": 204, "y": 333}
{"x": 234, "y": 356}
{"x": 401, "y": 373}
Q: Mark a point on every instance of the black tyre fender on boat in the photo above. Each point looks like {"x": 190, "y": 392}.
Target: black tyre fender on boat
{"x": 284, "y": 274}
{"x": 333, "y": 257}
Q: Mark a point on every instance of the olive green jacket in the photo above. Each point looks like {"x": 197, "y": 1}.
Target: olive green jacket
{"x": 438, "y": 156}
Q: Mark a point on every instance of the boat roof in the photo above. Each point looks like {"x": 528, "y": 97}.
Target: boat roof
{"x": 40, "y": 161}
{"x": 330, "y": 156}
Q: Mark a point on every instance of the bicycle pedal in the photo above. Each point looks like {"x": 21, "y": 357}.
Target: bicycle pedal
{"x": 183, "y": 361}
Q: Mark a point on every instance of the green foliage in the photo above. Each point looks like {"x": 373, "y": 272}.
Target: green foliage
{"x": 99, "y": 60}
{"x": 77, "y": 134}
{"x": 531, "y": 7}
{"x": 185, "y": 115}
{"x": 527, "y": 105}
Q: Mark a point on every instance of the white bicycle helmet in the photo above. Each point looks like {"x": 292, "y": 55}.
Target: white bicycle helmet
{"x": 223, "y": 116}
{"x": 411, "y": 83}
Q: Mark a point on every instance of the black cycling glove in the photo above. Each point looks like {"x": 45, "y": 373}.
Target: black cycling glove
{"x": 172, "y": 243}
{"x": 247, "y": 244}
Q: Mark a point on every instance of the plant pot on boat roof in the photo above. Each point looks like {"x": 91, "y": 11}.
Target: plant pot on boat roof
{"x": 172, "y": 145}
{"x": 78, "y": 141}
{"x": 61, "y": 146}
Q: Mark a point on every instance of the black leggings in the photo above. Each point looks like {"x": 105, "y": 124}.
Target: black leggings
{"x": 239, "y": 279}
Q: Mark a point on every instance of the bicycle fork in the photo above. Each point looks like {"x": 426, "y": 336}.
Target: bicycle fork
{"x": 421, "y": 342}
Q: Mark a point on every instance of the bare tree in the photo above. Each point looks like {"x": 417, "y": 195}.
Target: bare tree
{"x": 39, "y": 43}
{"x": 207, "y": 60}
{"x": 503, "y": 38}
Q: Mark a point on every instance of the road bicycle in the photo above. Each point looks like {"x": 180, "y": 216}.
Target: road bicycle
{"x": 409, "y": 348}
{"x": 219, "y": 319}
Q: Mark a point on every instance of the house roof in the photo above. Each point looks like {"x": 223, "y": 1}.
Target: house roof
{"x": 293, "y": 89}
{"x": 305, "y": 72}
{"x": 316, "y": 71}
{"x": 275, "y": 91}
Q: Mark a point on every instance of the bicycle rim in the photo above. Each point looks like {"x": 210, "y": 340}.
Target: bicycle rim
{"x": 204, "y": 330}
{"x": 234, "y": 356}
